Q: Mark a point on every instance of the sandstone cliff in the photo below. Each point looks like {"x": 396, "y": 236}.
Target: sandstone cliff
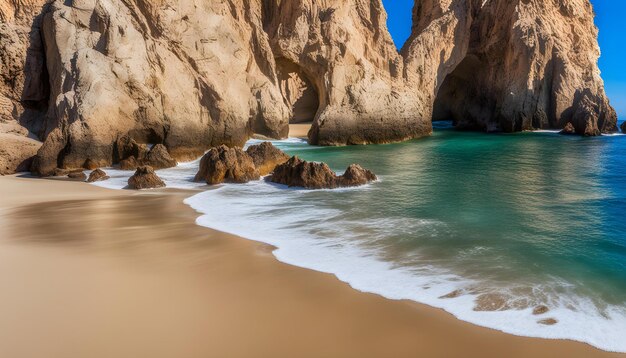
{"x": 80, "y": 74}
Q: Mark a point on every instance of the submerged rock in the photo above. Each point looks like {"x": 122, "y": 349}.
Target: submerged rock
{"x": 299, "y": 173}
{"x": 145, "y": 178}
{"x": 568, "y": 129}
{"x": 159, "y": 158}
{"x": 355, "y": 175}
{"x": 226, "y": 165}
{"x": 266, "y": 157}
{"x": 97, "y": 175}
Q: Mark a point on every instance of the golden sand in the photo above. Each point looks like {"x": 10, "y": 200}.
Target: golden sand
{"x": 91, "y": 272}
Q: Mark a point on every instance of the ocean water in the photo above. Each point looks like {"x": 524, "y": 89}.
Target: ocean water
{"x": 525, "y": 233}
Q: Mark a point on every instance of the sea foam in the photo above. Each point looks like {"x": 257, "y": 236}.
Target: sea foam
{"x": 310, "y": 231}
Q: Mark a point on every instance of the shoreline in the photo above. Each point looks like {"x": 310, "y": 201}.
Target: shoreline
{"x": 260, "y": 299}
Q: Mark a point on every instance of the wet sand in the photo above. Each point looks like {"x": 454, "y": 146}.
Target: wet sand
{"x": 91, "y": 272}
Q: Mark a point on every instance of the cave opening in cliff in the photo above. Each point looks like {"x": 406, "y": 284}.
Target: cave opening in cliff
{"x": 298, "y": 91}
{"x": 458, "y": 98}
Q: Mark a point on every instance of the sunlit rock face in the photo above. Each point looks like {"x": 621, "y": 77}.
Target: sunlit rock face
{"x": 80, "y": 74}
{"x": 517, "y": 65}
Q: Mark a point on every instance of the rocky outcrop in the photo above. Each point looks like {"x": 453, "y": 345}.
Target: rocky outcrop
{"x": 97, "y": 175}
{"x": 159, "y": 158}
{"x": 266, "y": 157}
{"x": 342, "y": 51}
{"x": 183, "y": 74}
{"x": 145, "y": 178}
{"x": 568, "y": 130}
{"x": 623, "y": 127}
{"x": 226, "y": 165}
{"x": 355, "y": 175}
{"x": 299, "y": 173}
{"x": 81, "y": 74}
{"x": 132, "y": 155}
{"x": 516, "y": 65}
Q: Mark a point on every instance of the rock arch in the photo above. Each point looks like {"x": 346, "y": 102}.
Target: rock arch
{"x": 298, "y": 90}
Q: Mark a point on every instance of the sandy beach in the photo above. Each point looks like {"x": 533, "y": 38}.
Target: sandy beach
{"x": 92, "y": 272}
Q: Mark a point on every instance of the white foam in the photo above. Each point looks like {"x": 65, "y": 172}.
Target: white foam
{"x": 310, "y": 232}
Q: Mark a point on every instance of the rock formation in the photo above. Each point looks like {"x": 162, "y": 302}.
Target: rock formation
{"x": 266, "y": 157}
{"x": 299, "y": 173}
{"x": 81, "y": 75}
{"x": 159, "y": 158}
{"x": 569, "y": 129}
{"x": 77, "y": 176}
{"x": 145, "y": 178}
{"x": 226, "y": 165}
{"x": 16, "y": 153}
{"x": 97, "y": 175}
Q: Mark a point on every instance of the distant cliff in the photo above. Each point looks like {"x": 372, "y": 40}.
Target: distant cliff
{"x": 79, "y": 74}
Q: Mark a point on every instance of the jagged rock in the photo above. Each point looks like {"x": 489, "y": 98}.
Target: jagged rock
{"x": 145, "y": 178}
{"x": 623, "y": 127}
{"x": 77, "y": 175}
{"x": 569, "y": 129}
{"x": 226, "y": 165}
{"x": 159, "y": 158}
{"x": 16, "y": 153}
{"x": 97, "y": 175}
{"x": 130, "y": 163}
{"x": 299, "y": 173}
{"x": 266, "y": 157}
{"x": 355, "y": 175}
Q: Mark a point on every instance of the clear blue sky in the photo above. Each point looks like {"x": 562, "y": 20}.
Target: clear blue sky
{"x": 609, "y": 19}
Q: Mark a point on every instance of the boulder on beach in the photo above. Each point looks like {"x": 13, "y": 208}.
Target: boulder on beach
{"x": 145, "y": 178}
{"x": 97, "y": 175}
{"x": 226, "y": 165}
{"x": 159, "y": 158}
{"x": 77, "y": 175}
{"x": 266, "y": 157}
{"x": 299, "y": 173}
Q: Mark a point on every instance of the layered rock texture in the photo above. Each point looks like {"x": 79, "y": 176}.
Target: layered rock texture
{"x": 82, "y": 74}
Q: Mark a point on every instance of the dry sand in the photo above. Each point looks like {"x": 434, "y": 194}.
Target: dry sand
{"x": 300, "y": 130}
{"x": 121, "y": 274}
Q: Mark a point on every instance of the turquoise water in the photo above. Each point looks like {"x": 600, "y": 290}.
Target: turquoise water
{"x": 524, "y": 232}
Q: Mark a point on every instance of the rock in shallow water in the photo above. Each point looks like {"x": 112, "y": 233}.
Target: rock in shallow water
{"x": 266, "y": 157}
{"x": 159, "y": 158}
{"x": 299, "y": 173}
{"x": 569, "y": 129}
{"x": 77, "y": 175}
{"x": 226, "y": 165}
{"x": 145, "y": 178}
{"x": 97, "y": 175}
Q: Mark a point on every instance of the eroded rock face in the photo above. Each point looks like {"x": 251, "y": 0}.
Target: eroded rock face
{"x": 145, "y": 178}
{"x": 81, "y": 74}
{"x": 526, "y": 65}
{"x": 226, "y": 165}
{"x": 299, "y": 173}
{"x": 266, "y": 157}
{"x": 185, "y": 74}
{"x": 343, "y": 49}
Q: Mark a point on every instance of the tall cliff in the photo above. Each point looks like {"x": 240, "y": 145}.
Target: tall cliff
{"x": 79, "y": 74}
